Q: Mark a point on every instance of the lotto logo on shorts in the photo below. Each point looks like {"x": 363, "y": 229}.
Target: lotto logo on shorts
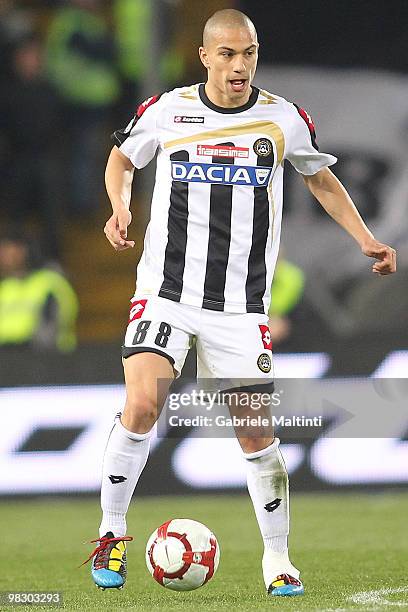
{"x": 136, "y": 309}
{"x": 266, "y": 337}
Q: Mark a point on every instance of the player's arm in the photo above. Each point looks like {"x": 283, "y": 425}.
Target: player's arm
{"x": 332, "y": 195}
{"x": 118, "y": 181}
{"x": 136, "y": 145}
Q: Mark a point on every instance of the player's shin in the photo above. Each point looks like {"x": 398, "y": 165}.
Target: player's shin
{"x": 125, "y": 457}
{"x": 268, "y": 486}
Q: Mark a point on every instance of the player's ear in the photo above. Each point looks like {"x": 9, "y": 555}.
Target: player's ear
{"x": 203, "y": 57}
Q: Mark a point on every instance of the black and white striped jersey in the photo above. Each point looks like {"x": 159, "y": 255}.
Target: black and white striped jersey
{"x": 214, "y": 231}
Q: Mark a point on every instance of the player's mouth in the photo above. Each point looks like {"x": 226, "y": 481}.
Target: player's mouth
{"x": 238, "y": 85}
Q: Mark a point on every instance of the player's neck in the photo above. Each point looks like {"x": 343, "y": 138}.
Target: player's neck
{"x": 218, "y": 98}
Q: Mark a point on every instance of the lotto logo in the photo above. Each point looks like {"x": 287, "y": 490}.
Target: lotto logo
{"x": 136, "y": 309}
{"x": 307, "y": 119}
{"x": 266, "y": 337}
{"x": 188, "y": 119}
{"x": 144, "y": 105}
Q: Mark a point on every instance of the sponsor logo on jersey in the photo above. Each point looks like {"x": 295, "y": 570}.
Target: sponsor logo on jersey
{"x": 187, "y": 119}
{"x": 136, "y": 309}
{"x": 266, "y": 337}
{"x": 223, "y": 174}
{"x": 264, "y": 363}
{"x": 263, "y": 147}
{"x": 222, "y": 151}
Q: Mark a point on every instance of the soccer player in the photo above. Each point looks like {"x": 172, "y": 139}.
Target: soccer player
{"x": 209, "y": 255}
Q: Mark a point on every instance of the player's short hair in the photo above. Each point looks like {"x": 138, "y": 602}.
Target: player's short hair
{"x": 226, "y": 18}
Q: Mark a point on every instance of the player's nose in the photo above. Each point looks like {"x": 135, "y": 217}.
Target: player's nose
{"x": 239, "y": 65}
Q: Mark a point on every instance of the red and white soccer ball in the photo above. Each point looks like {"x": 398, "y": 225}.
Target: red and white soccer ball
{"x": 182, "y": 554}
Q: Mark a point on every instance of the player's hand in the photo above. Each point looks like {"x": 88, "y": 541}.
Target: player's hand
{"x": 386, "y": 257}
{"x": 116, "y": 230}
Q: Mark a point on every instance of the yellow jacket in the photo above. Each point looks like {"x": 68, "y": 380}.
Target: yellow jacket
{"x": 23, "y": 302}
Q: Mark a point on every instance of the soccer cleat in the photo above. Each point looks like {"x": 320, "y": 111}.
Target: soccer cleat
{"x": 285, "y": 585}
{"x": 109, "y": 561}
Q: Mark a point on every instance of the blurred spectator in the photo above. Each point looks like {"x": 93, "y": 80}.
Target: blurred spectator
{"x": 14, "y": 25}
{"x": 81, "y": 65}
{"x": 287, "y": 290}
{"x": 134, "y": 27}
{"x": 38, "y": 307}
{"x": 29, "y": 126}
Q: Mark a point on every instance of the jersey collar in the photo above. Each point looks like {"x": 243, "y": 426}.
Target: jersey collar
{"x": 227, "y": 110}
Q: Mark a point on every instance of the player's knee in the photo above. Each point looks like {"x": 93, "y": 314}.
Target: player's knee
{"x": 140, "y": 413}
{"x": 253, "y": 445}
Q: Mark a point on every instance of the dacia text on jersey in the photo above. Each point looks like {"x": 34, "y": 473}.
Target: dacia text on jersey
{"x": 223, "y": 174}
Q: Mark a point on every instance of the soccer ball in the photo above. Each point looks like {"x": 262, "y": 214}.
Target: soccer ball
{"x": 182, "y": 554}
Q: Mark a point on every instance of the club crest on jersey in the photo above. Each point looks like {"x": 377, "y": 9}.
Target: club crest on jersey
{"x": 264, "y": 363}
{"x": 263, "y": 147}
{"x": 266, "y": 337}
{"x": 223, "y": 174}
{"x": 222, "y": 151}
{"x": 187, "y": 119}
{"x": 136, "y": 309}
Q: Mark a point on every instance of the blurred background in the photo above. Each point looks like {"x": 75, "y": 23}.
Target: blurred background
{"x": 73, "y": 71}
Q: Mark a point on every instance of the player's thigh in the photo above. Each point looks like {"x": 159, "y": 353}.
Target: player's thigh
{"x": 155, "y": 347}
{"x": 236, "y": 350}
{"x": 148, "y": 377}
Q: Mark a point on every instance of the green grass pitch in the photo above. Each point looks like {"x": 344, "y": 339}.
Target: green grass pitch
{"x": 344, "y": 544}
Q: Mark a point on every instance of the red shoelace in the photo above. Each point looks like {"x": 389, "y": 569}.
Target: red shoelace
{"x": 288, "y": 579}
{"x": 103, "y": 546}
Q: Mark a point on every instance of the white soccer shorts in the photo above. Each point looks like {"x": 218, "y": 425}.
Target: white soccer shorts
{"x": 229, "y": 345}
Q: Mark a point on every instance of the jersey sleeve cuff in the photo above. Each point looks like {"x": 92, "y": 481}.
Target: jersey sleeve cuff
{"x": 312, "y": 166}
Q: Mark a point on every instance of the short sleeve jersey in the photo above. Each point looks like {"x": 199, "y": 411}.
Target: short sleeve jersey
{"x": 214, "y": 230}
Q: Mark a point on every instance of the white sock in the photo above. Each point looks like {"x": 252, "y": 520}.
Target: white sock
{"x": 124, "y": 459}
{"x": 268, "y": 486}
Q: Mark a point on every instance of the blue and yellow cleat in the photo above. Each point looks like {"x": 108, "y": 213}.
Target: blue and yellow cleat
{"x": 109, "y": 561}
{"x": 285, "y": 586}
